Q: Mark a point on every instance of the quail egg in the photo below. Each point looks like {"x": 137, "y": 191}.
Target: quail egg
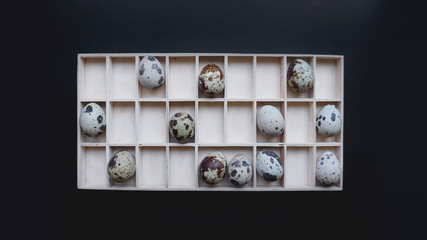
{"x": 151, "y": 73}
{"x": 213, "y": 168}
{"x": 240, "y": 170}
{"x": 328, "y": 121}
{"x": 121, "y": 166}
{"x": 181, "y": 127}
{"x": 328, "y": 169}
{"x": 269, "y": 165}
{"x": 92, "y": 120}
{"x": 211, "y": 80}
{"x": 300, "y": 76}
{"x": 270, "y": 121}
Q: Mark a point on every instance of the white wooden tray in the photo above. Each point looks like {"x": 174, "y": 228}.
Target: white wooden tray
{"x": 138, "y": 119}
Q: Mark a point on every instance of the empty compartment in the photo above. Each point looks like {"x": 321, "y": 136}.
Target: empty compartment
{"x": 268, "y": 78}
{"x": 336, "y": 150}
{"x": 94, "y": 78}
{"x": 291, "y": 93}
{"x": 122, "y": 121}
{"x": 101, "y": 138}
{"x": 299, "y": 165}
{"x": 189, "y": 108}
{"x": 321, "y": 138}
{"x": 93, "y": 168}
{"x": 181, "y": 79}
{"x": 300, "y": 122}
{"x": 160, "y": 92}
{"x": 132, "y": 181}
{"x": 210, "y": 125}
{"x": 153, "y": 122}
{"x": 239, "y": 122}
{"x": 260, "y": 181}
{"x": 205, "y": 60}
{"x": 229, "y": 153}
{"x": 328, "y": 76}
{"x": 124, "y": 83}
{"x": 240, "y": 77}
{"x": 181, "y": 167}
{"x": 152, "y": 167}
{"x": 260, "y": 137}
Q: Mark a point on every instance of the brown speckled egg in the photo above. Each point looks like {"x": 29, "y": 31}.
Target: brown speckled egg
{"x": 211, "y": 80}
{"x": 213, "y": 168}
{"x": 300, "y": 76}
{"x": 121, "y": 166}
{"x": 181, "y": 127}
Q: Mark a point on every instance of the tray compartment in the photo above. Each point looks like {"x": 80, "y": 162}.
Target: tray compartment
{"x": 240, "y": 78}
{"x": 211, "y": 122}
{"x": 152, "y": 169}
{"x": 299, "y": 167}
{"x": 300, "y": 121}
{"x": 85, "y": 139}
{"x": 239, "y": 122}
{"x": 182, "y": 77}
{"x": 337, "y": 150}
{"x": 122, "y": 121}
{"x": 260, "y": 182}
{"x": 182, "y": 106}
{"x": 122, "y": 81}
{"x": 153, "y": 123}
{"x": 205, "y": 60}
{"x": 159, "y": 92}
{"x": 182, "y": 167}
{"x": 93, "y": 78}
{"x": 290, "y": 93}
{"x": 131, "y": 183}
{"x": 261, "y": 138}
{"x": 328, "y": 76}
{"x": 334, "y": 139}
{"x": 269, "y": 78}
{"x": 92, "y": 167}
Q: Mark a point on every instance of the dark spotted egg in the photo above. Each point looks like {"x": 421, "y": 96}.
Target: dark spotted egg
{"x": 270, "y": 121}
{"x": 240, "y": 170}
{"x": 181, "y": 127}
{"x": 92, "y": 120}
{"x": 121, "y": 166}
{"x": 328, "y": 121}
{"x": 211, "y": 80}
{"x": 213, "y": 168}
{"x": 328, "y": 169}
{"x": 151, "y": 73}
{"x": 300, "y": 76}
{"x": 269, "y": 165}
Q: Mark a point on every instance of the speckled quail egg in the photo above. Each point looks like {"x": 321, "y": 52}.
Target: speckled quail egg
{"x": 328, "y": 169}
{"x": 213, "y": 168}
{"x": 269, "y": 165}
{"x": 270, "y": 121}
{"x": 181, "y": 127}
{"x": 240, "y": 170}
{"x": 151, "y": 73}
{"x": 211, "y": 80}
{"x": 328, "y": 121}
{"x": 300, "y": 76}
{"x": 92, "y": 120}
{"x": 121, "y": 166}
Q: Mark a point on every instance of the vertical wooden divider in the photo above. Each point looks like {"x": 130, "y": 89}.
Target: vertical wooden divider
{"x": 166, "y": 124}
{"x": 196, "y": 129}
{"x": 225, "y": 135}
{"x": 108, "y": 76}
{"x": 254, "y": 125}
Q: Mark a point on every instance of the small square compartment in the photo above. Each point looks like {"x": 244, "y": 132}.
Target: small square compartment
{"x": 188, "y": 107}
{"x": 93, "y": 78}
{"x": 181, "y": 167}
{"x": 205, "y": 60}
{"x": 240, "y": 122}
{"x": 291, "y": 93}
{"x": 240, "y": 78}
{"x": 337, "y": 137}
{"x": 210, "y": 125}
{"x": 260, "y": 182}
{"x": 132, "y": 181}
{"x": 152, "y": 167}
{"x": 153, "y": 126}
{"x": 260, "y": 137}
{"x": 123, "y": 78}
{"x": 156, "y": 93}
{"x": 328, "y": 78}
{"x": 269, "y": 78}
{"x": 122, "y": 121}
{"x": 229, "y": 153}
{"x": 299, "y": 167}
{"x": 93, "y": 167}
{"x": 182, "y": 79}
{"x": 300, "y": 122}
{"x": 335, "y": 150}
{"x": 101, "y": 138}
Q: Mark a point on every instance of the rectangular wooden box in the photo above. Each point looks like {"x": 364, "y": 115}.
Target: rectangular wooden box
{"x": 138, "y": 119}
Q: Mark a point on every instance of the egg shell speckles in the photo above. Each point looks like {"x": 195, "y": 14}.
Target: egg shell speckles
{"x": 300, "y": 76}
{"x": 270, "y": 121}
{"x": 328, "y": 169}
{"x": 121, "y": 166}
{"x": 92, "y": 120}
{"x": 328, "y": 121}
{"x": 269, "y": 165}
{"x": 213, "y": 168}
{"x": 240, "y": 170}
{"x": 181, "y": 127}
{"x": 151, "y": 73}
{"x": 211, "y": 80}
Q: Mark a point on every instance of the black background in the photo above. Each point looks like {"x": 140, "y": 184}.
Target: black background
{"x": 383, "y": 44}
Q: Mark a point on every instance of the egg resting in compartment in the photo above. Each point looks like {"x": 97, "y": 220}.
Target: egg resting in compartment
{"x": 300, "y": 76}
{"x": 213, "y": 168}
{"x": 181, "y": 127}
{"x": 269, "y": 165}
{"x": 151, "y": 73}
{"x": 92, "y": 120}
{"x": 121, "y": 166}
{"x": 240, "y": 170}
{"x": 328, "y": 169}
{"x": 211, "y": 80}
{"x": 270, "y": 121}
{"x": 328, "y": 121}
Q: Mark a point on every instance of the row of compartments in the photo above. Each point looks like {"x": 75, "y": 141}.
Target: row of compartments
{"x": 246, "y": 77}
{"x": 215, "y": 122}
{"x": 160, "y": 168}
